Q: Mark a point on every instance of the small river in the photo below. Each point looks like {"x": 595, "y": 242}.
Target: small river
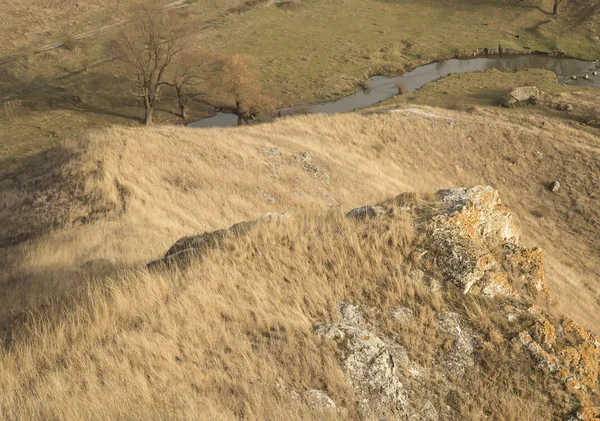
{"x": 383, "y": 88}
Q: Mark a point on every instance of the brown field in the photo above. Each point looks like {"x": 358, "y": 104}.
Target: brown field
{"x": 230, "y": 337}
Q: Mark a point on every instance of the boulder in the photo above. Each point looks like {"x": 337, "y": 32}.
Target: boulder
{"x": 469, "y": 222}
{"x": 319, "y": 399}
{"x": 554, "y": 186}
{"x": 520, "y": 95}
{"x": 565, "y": 351}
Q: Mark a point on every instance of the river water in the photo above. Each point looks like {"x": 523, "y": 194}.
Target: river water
{"x": 383, "y": 88}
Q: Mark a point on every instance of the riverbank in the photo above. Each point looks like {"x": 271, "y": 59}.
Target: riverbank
{"x": 381, "y": 89}
{"x": 312, "y": 52}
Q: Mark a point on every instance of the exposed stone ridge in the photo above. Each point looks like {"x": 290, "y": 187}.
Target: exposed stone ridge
{"x": 371, "y": 366}
{"x": 565, "y": 350}
{"x": 520, "y": 95}
{"x": 469, "y": 225}
{"x": 472, "y": 239}
{"x": 194, "y": 246}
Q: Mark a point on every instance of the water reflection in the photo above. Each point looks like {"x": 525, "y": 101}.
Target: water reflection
{"x": 382, "y": 88}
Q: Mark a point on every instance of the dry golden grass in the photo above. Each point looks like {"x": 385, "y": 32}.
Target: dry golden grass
{"x": 148, "y": 187}
{"x": 230, "y": 337}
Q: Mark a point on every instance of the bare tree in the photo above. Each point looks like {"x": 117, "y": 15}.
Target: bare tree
{"x": 149, "y": 47}
{"x": 187, "y": 68}
{"x": 557, "y": 4}
{"x": 239, "y": 90}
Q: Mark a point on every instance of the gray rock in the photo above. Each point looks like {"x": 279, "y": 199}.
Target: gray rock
{"x": 351, "y": 315}
{"x": 457, "y": 247}
{"x": 329, "y": 331}
{"x": 366, "y": 212}
{"x": 195, "y": 246}
{"x": 428, "y": 412}
{"x": 460, "y": 356}
{"x": 554, "y": 186}
{"x": 523, "y": 94}
{"x": 156, "y": 264}
{"x": 402, "y": 314}
{"x": 370, "y": 364}
{"x": 319, "y": 399}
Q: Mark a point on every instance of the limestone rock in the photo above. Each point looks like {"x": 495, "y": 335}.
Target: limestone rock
{"x": 554, "y": 186}
{"x": 370, "y": 365}
{"x": 460, "y": 356}
{"x": 428, "y": 412}
{"x": 351, "y": 315}
{"x": 523, "y": 94}
{"x": 528, "y": 265}
{"x": 568, "y": 352}
{"x": 319, "y": 399}
{"x": 469, "y": 222}
{"x": 402, "y": 314}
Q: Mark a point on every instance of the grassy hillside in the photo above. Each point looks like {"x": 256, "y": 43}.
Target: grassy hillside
{"x": 231, "y": 336}
{"x": 208, "y": 179}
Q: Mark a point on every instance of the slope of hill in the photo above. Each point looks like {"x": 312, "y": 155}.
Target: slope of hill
{"x": 231, "y": 335}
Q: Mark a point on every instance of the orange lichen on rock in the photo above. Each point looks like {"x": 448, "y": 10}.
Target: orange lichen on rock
{"x": 472, "y": 222}
{"x": 568, "y": 351}
{"x": 569, "y": 326}
{"x": 543, "y": 330}
{"x": 497, "y": 283}
{"x": 587, "y": 411}
{"x": 528, "y": 265}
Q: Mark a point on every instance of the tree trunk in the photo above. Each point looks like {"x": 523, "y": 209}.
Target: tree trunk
{"x": 183, "y": 112}
{"x": 556, "y": 7}
{"x": 182, "y": 101}
{"x": 148, "y": 114}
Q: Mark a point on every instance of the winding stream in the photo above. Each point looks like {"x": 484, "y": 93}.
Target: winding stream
{"x": 382, "y": 88}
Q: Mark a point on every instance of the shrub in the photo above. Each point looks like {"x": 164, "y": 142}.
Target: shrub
{"x": 73, "y": 44}
{"x": 402, "y": 90}
{"x": 364, "y": 84}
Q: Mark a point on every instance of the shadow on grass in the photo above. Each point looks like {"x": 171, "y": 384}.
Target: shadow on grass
{"x": 480, "y": 3}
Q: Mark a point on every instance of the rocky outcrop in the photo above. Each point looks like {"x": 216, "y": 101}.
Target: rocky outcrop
{"x": 472, "y": 240}
{"x": 469, "y": 244}
{"x": 366, "y": 212}
{"x": 469, "y": 225}
{"x": 371, "y": 364}
{"x": 565, "y": 350}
